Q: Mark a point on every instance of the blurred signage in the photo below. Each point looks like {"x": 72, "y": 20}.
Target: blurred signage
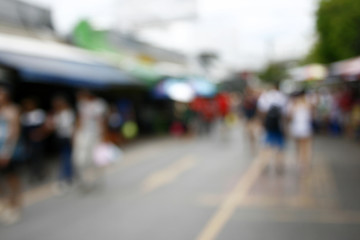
{"x": 135, "y": 47}
{"x": 146, "y": 59}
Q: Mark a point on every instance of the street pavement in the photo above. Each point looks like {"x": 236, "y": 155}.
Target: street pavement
{"x": 203, "y": 188}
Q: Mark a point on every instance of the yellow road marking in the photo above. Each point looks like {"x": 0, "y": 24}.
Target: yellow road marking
{"x": 263, "y": 201}
{"x": 326, "y": 217}
{"x": 286, "y": 210}
{"x": 229, "y": 205}
{"x": 299, "y": 216}
{"x": 167, "y": 175}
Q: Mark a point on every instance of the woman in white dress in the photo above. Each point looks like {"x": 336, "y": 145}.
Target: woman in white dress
{"x": 88, "y": 134}
{"x": 300, "y": 115}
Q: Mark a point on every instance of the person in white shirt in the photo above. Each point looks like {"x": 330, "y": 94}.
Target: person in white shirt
{"x": 33, "y": 121}
{"x": 63, "y": 123}
{"x": 271, "y": 107}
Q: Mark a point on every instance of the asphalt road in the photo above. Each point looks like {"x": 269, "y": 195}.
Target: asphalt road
{"x": 205, "y": 188}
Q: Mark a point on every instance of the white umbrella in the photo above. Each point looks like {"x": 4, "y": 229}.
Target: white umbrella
{"x": 181, "y": 92}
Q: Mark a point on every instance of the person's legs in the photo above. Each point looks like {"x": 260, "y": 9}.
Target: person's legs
{"x": 80, "y": 154}
{"x": 304, "y": 153}
{"x": 3, "y": 194}
{"x": 11, "y": 213}
{"x": 13, "y": 182}
{"x": 15, "y": 190}
{"x": 280, "y": 145}
{"x": 87, "y": 170}
{"x": 251, "y": 134}
{"x": 280, "y": 160}
{"x": 301, "y": 152}
{"x": 276, "y": 142}
{"x": 36, "y": 161}
{"x": 269, "y": 154}
{"x": 66, "y": 162}
{"x": 307, "y": 152}
{"x": 298, "y": 150}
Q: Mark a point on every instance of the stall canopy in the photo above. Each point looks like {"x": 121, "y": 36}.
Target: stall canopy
{"x": 38, "y": 61}
{"x": 309, "y": 73}
{"x": 348, "y": 69}
{"x": 203, "y": 87}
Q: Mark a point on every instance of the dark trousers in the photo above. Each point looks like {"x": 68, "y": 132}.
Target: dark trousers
{"x": 66, "y": 165}
{"x": 35, "y": 159}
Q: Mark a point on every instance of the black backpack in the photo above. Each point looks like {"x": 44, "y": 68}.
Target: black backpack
{"x": 273, "y": 119}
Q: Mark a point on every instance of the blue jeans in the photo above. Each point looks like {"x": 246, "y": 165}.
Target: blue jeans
{"x": 275, "y": 139}
{"x": 66, "y": 165}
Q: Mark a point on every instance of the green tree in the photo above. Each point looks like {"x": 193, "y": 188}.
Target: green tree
{"x": 338, "y": 30}
{"x": 274, "y": 73}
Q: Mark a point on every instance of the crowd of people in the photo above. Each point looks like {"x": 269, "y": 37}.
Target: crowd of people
{"x": 24, "y": 130}
{"x": 85, "y": 132}
{"x": 87, "y": 135}
{"x": 337, "y": 111}
{"x": 299, "y": 115}
{"x": 201, "y": 115}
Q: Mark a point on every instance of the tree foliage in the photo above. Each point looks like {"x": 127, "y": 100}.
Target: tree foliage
{"x": 274, "y": 73}
{"x": 338, "y": 30}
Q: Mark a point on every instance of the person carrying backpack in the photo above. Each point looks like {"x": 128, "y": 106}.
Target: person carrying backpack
{"x": 271, "y": 106}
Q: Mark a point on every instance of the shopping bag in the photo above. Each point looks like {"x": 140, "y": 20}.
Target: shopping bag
{"x": 106, "y": 154}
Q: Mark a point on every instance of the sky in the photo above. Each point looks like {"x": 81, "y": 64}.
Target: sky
{"x": 246, "y": 34}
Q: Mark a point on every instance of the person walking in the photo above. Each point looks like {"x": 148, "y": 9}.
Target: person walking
{"x": 300, "y": 116}
{"x": 89, "y": 132}
{"x": 271, "y": 107}
{"x": 249, "y": 109}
